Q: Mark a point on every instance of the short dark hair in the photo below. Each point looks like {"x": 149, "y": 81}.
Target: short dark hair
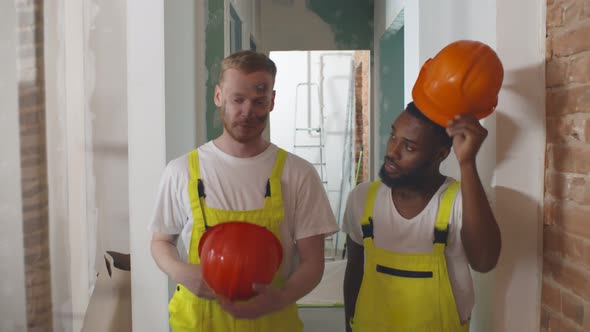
{"x": 248, "y": 62}
{"x": 439, "y": 131}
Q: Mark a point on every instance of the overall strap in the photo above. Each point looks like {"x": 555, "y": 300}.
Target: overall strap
{"x": 441, "y": 228}
{"x": 273, "y": 195}
{"x": 196, "y": 191}
{"x": 367, "y": 220}
{"x": 273, "y": 186}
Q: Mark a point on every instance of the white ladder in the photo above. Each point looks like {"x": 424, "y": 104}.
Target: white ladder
{"x": 317, "y": 143}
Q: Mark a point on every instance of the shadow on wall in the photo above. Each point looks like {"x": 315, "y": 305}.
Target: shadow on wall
{"x": 518, "y": 81}
{"x": 517, "y": 213}
{"x": 507, "y": 132}
{"x": 518, "y": 254}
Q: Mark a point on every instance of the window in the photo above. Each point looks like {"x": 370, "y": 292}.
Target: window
{"x": 235, "y": 30}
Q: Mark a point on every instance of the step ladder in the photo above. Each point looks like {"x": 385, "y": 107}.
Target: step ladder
{"x": 314, "y": 136}
{"x": 313, "y": 133}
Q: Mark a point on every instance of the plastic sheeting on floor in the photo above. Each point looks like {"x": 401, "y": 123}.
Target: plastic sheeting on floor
{"x": 329, "y": 290}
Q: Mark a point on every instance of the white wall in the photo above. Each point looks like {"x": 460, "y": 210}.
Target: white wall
{"x": 87, "y": 134}
{"x": 106, "y": 129}
{"x": 412, "y": 41}
{"x": 511, "y": 161}
{"x": 147, "y": 156}
{"x": 87, "y": 147}
{"x": 12, "y": 270}
{"x": 185, "y": 86}
{"x": 520, "y": 166}
{"x": 57, "y": 163}
{"x": 67, "y": 162}
{"x": 184, "y": 39}
{"x": 298, "y": 67}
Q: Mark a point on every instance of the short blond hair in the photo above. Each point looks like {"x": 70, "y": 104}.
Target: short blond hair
{"x": 248, "y": 62}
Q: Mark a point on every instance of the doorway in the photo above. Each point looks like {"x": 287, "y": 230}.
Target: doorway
{"x": 322, "y": 115}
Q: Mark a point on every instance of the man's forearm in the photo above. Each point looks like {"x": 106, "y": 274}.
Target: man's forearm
{"x": 308, "y": 273}
{"x": 480, "y": 233}
{"x": 305, "y": 278}
{"x": 189, "y": 275}
{"x": 166, "y": 256}
{"x": 353, "y": 278}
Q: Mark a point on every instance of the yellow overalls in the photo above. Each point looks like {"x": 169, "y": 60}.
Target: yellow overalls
{"x": 191, "y": 313}
{"x": 407, "y": 292}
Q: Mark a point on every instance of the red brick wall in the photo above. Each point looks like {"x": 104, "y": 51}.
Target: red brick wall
{"x": 361, "y": 118}
{"x": 566, "y": 235}
{"x": 34, "y": 164}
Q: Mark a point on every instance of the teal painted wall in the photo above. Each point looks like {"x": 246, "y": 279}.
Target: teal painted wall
{"x": 391, "y": 82}
{"x": 351, "y": 21}
{"x": 214, "y": 41}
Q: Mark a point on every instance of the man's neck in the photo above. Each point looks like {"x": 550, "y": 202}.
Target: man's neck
{"x": 425, "y": 189}
{"x": 240, "y": 149}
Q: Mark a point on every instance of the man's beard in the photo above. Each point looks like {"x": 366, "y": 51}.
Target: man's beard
{"x": 413, "y": 179}
{"x": 233, "y": 133}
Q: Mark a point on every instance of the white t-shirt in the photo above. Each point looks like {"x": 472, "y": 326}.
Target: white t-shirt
{"x": 395, "y": 233}
{"x": 240, "y": 184}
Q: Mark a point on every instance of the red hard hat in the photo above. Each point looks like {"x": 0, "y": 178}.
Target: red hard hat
{"x": 237, "y": 255}
{"x": 464, "y": 77}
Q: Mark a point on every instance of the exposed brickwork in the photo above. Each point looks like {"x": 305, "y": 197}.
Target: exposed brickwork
{"x": 566, "y": 239}
{"x": 362, "y": 139}
{"x": 34, "y": 164}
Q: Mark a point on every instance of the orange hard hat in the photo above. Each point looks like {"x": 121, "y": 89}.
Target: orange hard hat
{"x": 236, "y": 255}
{"x": 464, "y": 77}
